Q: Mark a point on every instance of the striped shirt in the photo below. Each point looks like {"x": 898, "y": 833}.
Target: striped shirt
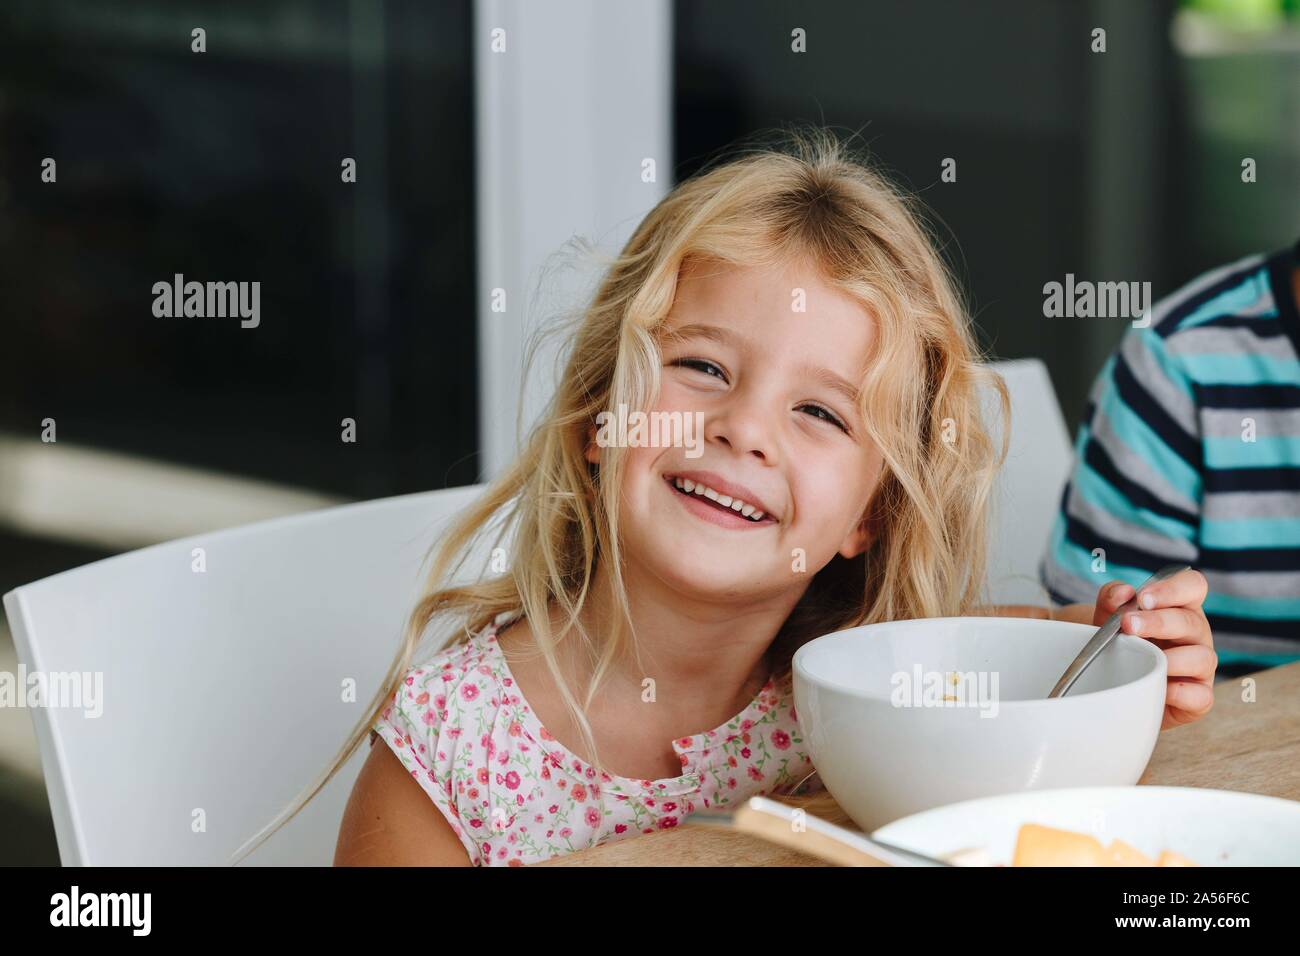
{"x": 1189, "y": 453}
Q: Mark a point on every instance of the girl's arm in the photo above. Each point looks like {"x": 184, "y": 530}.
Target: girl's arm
{"x": 389, "y": 820}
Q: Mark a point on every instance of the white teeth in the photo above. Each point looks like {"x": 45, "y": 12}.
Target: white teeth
{"x": 735, "y": 504}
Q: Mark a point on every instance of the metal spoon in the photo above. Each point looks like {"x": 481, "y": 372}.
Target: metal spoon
{"x": 1106, "y": 633}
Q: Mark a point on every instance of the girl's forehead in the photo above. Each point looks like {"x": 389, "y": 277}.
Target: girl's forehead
{"x": 791, "y": 302}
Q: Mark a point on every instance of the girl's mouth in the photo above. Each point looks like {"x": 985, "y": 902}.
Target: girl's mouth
{"x": 707, "y": 504}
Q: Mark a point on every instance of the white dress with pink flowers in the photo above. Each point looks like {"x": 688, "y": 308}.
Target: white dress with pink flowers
{"x": 514, "y": 795}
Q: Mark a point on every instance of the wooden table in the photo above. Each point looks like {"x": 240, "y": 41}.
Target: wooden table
{"x": 1247, "y": 745}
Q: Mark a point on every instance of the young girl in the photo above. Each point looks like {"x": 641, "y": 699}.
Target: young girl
{"x": 633, "y": 665}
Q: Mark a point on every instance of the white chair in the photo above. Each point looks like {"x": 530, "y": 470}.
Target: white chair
{"x": 1028, "y": 492}
{"x": 223, "y": 689}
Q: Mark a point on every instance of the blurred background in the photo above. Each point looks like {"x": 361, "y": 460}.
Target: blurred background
{"x": 473, "y": 168}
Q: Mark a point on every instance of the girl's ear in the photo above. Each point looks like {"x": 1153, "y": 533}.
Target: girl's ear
{"x": 593, "y": 450}
{"x": 861, "y": 536}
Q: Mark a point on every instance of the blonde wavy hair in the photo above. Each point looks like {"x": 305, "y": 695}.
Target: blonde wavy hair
{"x": 804, "y": 194}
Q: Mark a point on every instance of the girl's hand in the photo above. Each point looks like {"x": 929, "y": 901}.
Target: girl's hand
{"x": 1169, "y": 615}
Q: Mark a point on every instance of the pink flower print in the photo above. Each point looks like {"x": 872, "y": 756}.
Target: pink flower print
{"x": 579, "y": 792}
{"x": 482, "y": 775}
{"x": 649, "y": 801}
{"x": 512, "y": 780}
{"x": 473, "y": 793}
{"x": 546, "y": 772}
{"x": 593, "y": 817}
{"x": 780, "y": 739}
{"x": 475, "y": 823}
{"x": 515, "y": 861}
{"x": 755, "y": 773}
{"x": 591, "y": 773}
{"x": 745, "y": 752}
{"x": 549, "y": 832}
{"x": 565, "y": 833}
{"x": 619, "y": 827}
{"x": 731, "y": 761}
{"x": 684, "y": 741}
{"x": 429, "y": 717}
{"x": 731, "y": 783}
{"x": 746, "y": 724}
{"x": 422, "y": 699}
{"x": 501, "y": 853}
{"x": 440, "y": 702}
{"x": 577, "y": 766}
{"x": 485, "y": 670}
{"x": 410, "y": 681}
{"x": 745, "y": 737}
{"x": 519, "y": 799}
{"x": 455, "y": 731}
{"x": 537, "y": 818}
{"x": 667, "y": 823}
{"x": 398, "y": 741}
{"x": 508, "y": 682}
{"x": 515, "y": 729}
{"x": 670, "y": 806}
{"x": 469, "y": 691}
{"x": 554, "y": 808}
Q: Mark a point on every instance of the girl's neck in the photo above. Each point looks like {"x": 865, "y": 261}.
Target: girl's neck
{"x": 712, "y": 653}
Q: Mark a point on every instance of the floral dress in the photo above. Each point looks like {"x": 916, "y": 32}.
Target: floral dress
{"x": 514, "y": 795}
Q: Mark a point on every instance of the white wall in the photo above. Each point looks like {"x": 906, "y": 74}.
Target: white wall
{"x": 565, "y": 116}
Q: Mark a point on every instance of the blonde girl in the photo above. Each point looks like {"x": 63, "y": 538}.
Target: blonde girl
{"x": 633, "y": 664}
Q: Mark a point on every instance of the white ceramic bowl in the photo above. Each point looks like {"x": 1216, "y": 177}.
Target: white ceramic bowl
{"x": 886, "y": 744}
{"x": 1209, "y": 827}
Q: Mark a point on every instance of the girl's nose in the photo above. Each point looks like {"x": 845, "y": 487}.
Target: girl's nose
{"x": 744, "y": 428}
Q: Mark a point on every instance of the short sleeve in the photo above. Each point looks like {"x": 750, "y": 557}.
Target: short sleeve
{"x": 1132, "y": 503}
{"x": 416, "y": 727}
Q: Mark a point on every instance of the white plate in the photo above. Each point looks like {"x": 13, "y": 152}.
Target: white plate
{"x": 1209, "y": 827}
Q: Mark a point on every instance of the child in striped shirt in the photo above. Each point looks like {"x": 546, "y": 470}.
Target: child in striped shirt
{"x": 1189, "y": 452}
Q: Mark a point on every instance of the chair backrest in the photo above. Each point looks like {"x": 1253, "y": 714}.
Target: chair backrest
{"x": 223, "y": 690}
{"x": 1028, "y": 492}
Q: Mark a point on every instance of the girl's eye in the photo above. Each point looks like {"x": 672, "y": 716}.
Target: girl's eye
{"x": 828, "y": 416}
{"x": 703, "y": 365}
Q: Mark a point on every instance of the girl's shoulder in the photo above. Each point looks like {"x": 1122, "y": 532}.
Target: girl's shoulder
{"x": 442, "y": 723}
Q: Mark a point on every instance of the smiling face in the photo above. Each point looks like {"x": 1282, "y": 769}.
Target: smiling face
{"x": 781, "y": 432}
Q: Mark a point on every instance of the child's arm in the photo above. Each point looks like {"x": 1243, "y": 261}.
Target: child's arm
{"x": 390, "y": 822}
{"x": 1171, "y": 617}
